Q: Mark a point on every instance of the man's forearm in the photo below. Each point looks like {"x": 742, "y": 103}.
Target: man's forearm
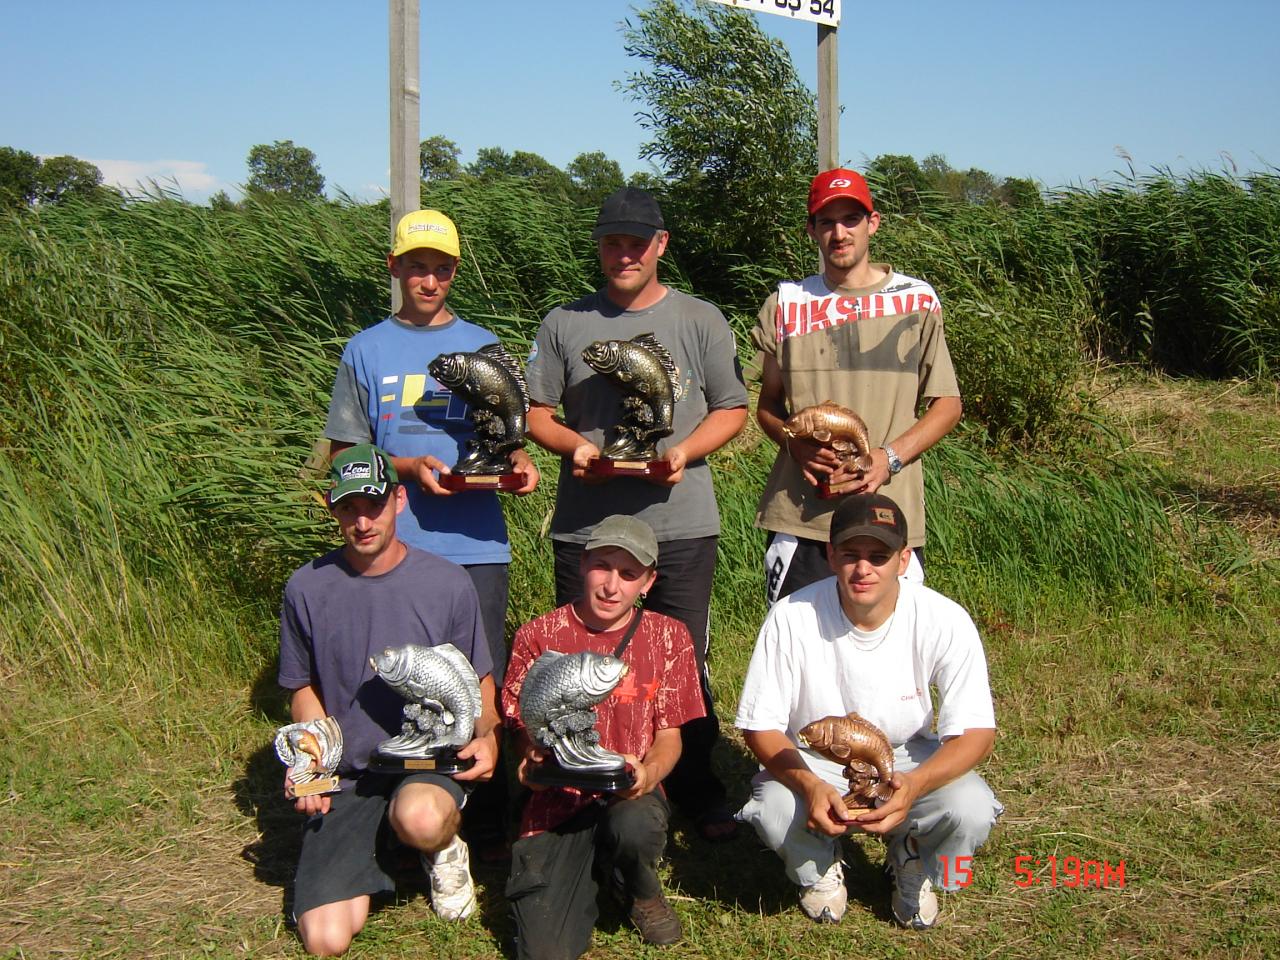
{"x": 779, "y": 756}
{"x": 938, "y": 419}
{"x": 305, "y": 705}
{"x": 956, "y": 757}
{"x": 717, "y": 428}
{"x": 550, "y": 433}
{"x": 663, "y": 753}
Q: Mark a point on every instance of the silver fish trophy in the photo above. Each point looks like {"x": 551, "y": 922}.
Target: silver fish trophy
{"x": 443, "y": 704}
{"x": 865, "y": 752}
{"x": 491, "y": 381}
{"x": 643, "y": 370}
{"x": 557, "y": 703}
{"x": 312, "y": 751}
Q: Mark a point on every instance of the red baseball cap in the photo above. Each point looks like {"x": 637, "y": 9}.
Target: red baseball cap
{"x": 834, "y": 184}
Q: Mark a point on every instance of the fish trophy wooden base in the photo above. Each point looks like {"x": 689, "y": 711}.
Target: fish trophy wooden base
{"x": 443, "y": 760}
{"x": 549, "y": 773}
{"x": 651, "y": 469}
{"x": 459, "y": 482}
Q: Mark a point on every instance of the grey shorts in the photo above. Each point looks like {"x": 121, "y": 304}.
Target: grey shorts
{"x": 348, "y": 852}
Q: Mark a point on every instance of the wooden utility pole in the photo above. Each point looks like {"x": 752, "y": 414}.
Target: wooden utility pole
{"x": 828, "y": 99}
{"x": 406, "y": 174}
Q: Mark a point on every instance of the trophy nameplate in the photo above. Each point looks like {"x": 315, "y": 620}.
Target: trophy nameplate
{"x": 487, "y": 481}
{"x": 491, "y": 381}
{"x": 442, "y": 694}
{"x": 608, "y": 467}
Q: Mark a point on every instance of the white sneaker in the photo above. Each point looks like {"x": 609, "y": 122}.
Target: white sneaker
{"x": 826, "y": 900}
{"x": 453, "y": 895}
{"x": 914, "y": 903}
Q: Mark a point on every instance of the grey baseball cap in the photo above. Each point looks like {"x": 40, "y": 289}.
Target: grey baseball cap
{"x": 632, "y": 535}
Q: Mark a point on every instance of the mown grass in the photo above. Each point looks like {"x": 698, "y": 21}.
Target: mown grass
{"x": 167, "y": 370}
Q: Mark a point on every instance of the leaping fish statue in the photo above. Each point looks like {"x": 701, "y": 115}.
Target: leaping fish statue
{"x": 556, "y": 706}
{"x": 443, "y": 694}
{"x": 492, "y": 383}
{"x": 839, "y": 427}
{"x": 864, "y": 750}
{"x": 643, "y": 370}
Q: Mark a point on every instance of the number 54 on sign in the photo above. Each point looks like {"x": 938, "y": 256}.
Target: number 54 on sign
{"x": 817, "y": 11}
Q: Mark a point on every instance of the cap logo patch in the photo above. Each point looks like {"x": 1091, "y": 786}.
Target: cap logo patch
{"x": 883, "y": 515}
{"x": 419, "y": 227}
{"x": 356, "y": 471}
{"x": 839, "y": 182}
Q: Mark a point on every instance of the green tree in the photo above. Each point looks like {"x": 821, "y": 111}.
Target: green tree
{"x": 19, "y": 178}
{"x": 734, "y": 135}
{"x": 438, "y": 158}
{"x": 494, "y": 162}
{"x": 1020, "y": 193}
{"x": 285, "y": 168}
{"x": 67, "y": 177}
{"x": 898, "y": 185}
{"x": 594, "y": 177}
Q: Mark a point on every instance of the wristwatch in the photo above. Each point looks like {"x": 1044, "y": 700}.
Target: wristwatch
{"x": 895, "y": 465}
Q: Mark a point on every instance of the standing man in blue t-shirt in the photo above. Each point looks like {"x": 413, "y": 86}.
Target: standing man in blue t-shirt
{"x": 384, "y": 394}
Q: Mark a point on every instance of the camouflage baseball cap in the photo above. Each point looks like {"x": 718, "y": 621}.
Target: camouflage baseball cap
{"x": 363, "y": 469}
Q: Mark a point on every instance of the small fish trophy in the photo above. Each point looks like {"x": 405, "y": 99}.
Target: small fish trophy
{"x": 557, "y": 703}
{"x": 443, "y": 704}
{"x": 643, "y": 370}
{"x": 839, "y": 428}
{"x": 865, "y": 752}
{"x": 312, "y": 751}
{"x": 491, "y": 382}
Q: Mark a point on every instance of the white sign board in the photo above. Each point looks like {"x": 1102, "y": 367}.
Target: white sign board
{"x": 816, "y": 11}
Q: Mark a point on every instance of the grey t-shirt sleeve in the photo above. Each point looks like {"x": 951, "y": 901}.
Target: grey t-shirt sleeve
{"x": 295, "y": 652}
{"x": 348, "y": 420}
{"x": 468, "y": 628}
{"x": 545, "y": 373}
{"x": 724, "y": 388}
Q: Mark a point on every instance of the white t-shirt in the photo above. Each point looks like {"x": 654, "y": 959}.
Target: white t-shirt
{"x": 810, "y": 662}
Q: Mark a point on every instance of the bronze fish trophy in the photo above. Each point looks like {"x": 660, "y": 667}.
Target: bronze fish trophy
{"x": 837, "y": 427}
{"x": 865, "y": 752}
{"x": 312, "y": 751}
{"x": 643, "y": 370}
{"x": 491, "y": 382}
{"x": 443, "y": 704}
{"x": 557, "y": 701}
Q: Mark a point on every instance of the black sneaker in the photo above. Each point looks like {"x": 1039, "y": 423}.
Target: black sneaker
{"x": 656, "y": 921}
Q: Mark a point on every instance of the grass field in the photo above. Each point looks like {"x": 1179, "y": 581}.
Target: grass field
{"x": 142, "y": 817}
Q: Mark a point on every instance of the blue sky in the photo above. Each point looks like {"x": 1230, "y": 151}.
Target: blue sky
{"x": 182, "y": 90}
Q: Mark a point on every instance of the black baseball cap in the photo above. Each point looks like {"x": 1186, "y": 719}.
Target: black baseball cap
{"x": 630, "y": 211}
{"x": 869, "y": 515}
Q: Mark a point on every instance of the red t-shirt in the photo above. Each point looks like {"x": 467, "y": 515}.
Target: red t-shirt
{"x": 660, "y": 691}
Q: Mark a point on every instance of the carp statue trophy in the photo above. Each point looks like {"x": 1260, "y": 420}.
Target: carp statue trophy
{"x": 443, "y": 704}
{"x": 836, "y": 427}
{"x": 557, "y": 703}
{"x": 312, "y": 751}
{"x": 643, "y": 370}
{"x": 492, "y": 383}
{"x": 864, "y": 750}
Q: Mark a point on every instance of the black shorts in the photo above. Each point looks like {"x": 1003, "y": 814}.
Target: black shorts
{"x": 346, "y": 852}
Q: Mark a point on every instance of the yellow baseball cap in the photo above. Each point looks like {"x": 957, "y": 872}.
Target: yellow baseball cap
{"x": 426, "y": 228}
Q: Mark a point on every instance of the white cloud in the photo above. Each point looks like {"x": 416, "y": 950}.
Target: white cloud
{"x": 193, "y": 178}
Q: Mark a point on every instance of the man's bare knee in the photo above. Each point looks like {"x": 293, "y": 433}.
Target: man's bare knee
{"x": 424, "y": 816}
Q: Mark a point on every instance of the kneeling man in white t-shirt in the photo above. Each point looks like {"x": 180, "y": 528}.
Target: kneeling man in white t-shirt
{"x": 868, "y": 641}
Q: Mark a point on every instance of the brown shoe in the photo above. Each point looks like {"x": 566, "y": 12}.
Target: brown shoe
{"x": 656, "y": 921}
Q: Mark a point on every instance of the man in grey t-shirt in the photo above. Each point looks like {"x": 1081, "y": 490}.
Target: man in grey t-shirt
{"x": 681, "y": 509}
{"x": 338, "y": 611}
